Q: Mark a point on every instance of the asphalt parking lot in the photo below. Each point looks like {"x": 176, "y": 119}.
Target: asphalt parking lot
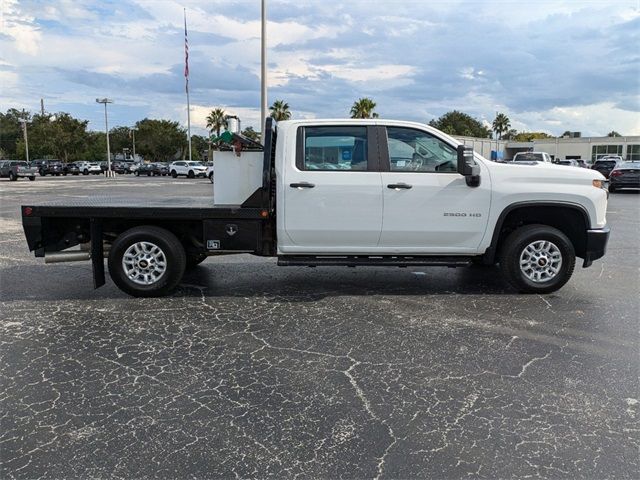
{"x": 252, "y": 370}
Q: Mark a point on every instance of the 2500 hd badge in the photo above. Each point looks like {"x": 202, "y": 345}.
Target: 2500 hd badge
{"x": 461, "y": 214}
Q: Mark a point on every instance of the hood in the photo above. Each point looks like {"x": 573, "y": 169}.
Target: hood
{"x": 549, "y": 172}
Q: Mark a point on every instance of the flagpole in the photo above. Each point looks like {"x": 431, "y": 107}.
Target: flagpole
{"x": 186, "y": 76}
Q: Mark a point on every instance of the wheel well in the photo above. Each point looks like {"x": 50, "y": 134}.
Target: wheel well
{"x": 569, "y": 220}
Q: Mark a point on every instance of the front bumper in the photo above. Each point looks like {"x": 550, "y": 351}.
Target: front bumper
{"x": 596, "y": 245}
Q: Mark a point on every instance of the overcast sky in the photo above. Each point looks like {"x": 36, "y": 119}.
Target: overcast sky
{"x": 549, "y": 65}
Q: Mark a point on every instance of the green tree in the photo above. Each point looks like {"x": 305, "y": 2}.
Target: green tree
{"x": 280, "y": 110}
{"x": 501, "y": 124}
{"x": 510, "y": 134}
{"x": 459, "y": 123}
{"x": 363, "y": 108}
{"x": 613, "y": 133}
{"x": 120, "y": 138}
{"x": 199, "y": 144}
{"x": 217, "y": 120}
{"x": 160, "y": 140}
{"x": 529, "y": 136}
{"x": 249, "y": 132}
{"x": 11, "y": 131}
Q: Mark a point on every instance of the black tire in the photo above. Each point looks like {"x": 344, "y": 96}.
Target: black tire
{"x": 148, "y": 174}
{"x": 64, "y": 174}
{"x": 42, "y": 174}
{"x": 211, "y": 177}
{"x": 12, "y": 177}
{"x": 195, "y": 260}
{"x": 137, "y": 173}
{"x": 32, "y": 178}
{"x": 612, "y": 189}
{"x": 172, "y": 250}
{"x": 85, "y": 172}
{"x": 191, "y": 174}
{"x": 515, "y": 245}
{"x": 174, "y": 174}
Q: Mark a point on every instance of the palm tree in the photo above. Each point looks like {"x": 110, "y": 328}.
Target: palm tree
{"x": 363, "y": 108}
{"x": 280, "y": 111}
{"x": 216, "y": 121}
{"x": 501, "y": 124}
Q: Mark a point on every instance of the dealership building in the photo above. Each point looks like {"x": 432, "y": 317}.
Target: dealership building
{"x": 586, "y": 148}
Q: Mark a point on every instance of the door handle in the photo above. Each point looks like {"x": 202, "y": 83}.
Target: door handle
{"x": 399, "y": 186}
{"x": 302, "y": 185}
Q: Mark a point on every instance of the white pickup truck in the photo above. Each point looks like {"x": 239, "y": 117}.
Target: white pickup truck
{"x": 344, "y": 192}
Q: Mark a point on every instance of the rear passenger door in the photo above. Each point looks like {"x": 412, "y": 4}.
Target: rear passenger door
{"x": 332, "y": 191}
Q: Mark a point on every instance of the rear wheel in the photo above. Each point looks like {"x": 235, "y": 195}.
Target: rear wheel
{"x": 211, "y": 177}
{"x": 12, "y": 177}
{"x": 537, "y": 259}
{"x": 147, "y": 261}
{"x": 85, "y": 172}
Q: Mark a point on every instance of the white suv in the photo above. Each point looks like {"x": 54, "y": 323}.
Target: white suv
{"x": 188, "y": 169}
{"x": 88, "y": 167}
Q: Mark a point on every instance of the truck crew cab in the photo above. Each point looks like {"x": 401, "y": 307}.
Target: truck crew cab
{"x": 344, "y": 192}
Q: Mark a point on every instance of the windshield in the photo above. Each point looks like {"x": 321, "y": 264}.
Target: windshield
{"x": 606, "y": 163}
{"x": 528, "y": 157}
{"x": 629, "y": 165}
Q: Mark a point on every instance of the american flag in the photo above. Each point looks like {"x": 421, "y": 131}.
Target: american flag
{"x": 186, "y": 52}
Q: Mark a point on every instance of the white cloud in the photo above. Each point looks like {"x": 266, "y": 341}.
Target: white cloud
{"x": 20, "y": 27}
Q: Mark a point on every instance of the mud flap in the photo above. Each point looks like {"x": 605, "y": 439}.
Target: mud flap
{"x": 97, "y": 253}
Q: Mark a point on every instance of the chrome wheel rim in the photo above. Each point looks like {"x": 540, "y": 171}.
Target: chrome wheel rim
{"x": 540, "y": 261}
{"x": 144, "y": 263}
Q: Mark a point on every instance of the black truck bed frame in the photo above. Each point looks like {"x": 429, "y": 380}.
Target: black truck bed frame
{"x": 202, "y": 226}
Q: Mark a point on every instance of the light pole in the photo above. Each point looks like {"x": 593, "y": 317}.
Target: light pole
{"x": 26, "y": 139}
{"x": 109, "y": 172}
{"x": 263, "y": 70}
{"x": 133, "y": 135}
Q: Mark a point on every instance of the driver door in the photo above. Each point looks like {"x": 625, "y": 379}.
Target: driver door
{"x": 428, "y": 206}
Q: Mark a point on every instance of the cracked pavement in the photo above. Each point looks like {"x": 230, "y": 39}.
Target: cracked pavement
{"x": 254, "y": 370}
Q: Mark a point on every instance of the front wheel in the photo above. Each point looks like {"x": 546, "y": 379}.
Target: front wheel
{"x": 191, "y": 174}
{"x": 85, "y": 172}
{"x": 537, "y": 259}
{"x": 12, "y": 177}
{"x": 174, "y": 174}
{"x": 137, "y": 174}
{"x": 147, "y": 261}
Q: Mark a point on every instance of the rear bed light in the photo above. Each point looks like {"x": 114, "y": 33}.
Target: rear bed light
{"x": 27, "y": 211}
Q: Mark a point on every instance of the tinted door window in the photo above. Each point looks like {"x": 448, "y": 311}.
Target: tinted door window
{"x": 412, "y": 150}
{"x": 334, "y": 148}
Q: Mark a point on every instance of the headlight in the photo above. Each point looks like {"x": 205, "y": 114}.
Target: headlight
{"x": 599, "y": 183}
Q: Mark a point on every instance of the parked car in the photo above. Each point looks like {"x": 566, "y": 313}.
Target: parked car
{"x": 187, "y": 169}
{"x": 48, "y": 167}
{"x": 160, "y": 169}
{"x": 582, "y": 163}
{"x": 119, "y": 167}
{"x": 14, "y": 169}
{"x": 528, "y": 157}
{"x": 71, "y": 169}
{"x": 144, "y": 169}
{"x": 569, "y": 162}
{"x": 624, "y": 175}
{"x": 605, "y": 165}
{"x": 87, "y": 168}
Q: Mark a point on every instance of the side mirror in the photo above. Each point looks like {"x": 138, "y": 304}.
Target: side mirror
{"x": 467, "y": 167}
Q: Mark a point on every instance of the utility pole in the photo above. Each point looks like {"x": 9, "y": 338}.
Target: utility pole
{"x": 109, "y": 172}
{"x": 42, "y": 106}
{"x": 263, "y": 71}
{"x": 26, "y": 139}
{"x": 133, "y": 135}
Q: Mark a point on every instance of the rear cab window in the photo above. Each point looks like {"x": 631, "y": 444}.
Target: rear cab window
{"x": 333, "y": 148}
